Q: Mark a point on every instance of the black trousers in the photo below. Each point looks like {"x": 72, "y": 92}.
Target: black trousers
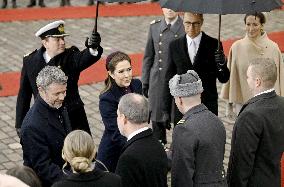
{"x": 78, "y": 119}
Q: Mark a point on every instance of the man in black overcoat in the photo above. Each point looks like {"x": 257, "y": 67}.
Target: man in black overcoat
{"x": 257, "y": 139}
{"x": 70, "y": 60}
{"x": 46, "y": 126}
{"x": 143, "y": 161}
{"x": 197, "y": 51}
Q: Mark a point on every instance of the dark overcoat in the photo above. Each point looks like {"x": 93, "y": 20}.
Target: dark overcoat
{"x": 155, "y": 62}
{"x": 258, "y": 143}
{"x": 43, "y": 132}
{"x": 143, "y": 162}
{"x": 204, "y": 65}
{"x": 90, "y": 179}
{"x": 198, "y": 150}
{"x": 72, "y": 62}
{"x": 112, "y": 141}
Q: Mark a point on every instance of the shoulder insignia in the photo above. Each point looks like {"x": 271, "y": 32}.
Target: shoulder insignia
{"x": 72, "y": 48}
{"x": 28, "y": 54}
{"x": 181, "y": 122}
{"x": 155, "y": 21}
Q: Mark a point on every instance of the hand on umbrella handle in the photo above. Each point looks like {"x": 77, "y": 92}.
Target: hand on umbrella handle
{"x": 94, "y": 42}
{"x": 220, "y": 59}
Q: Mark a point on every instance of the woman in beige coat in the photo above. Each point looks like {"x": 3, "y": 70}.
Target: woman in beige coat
{"x": 255, "y": 44}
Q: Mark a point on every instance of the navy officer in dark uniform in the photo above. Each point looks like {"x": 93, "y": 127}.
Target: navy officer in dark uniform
{"x": 71, "y": 60}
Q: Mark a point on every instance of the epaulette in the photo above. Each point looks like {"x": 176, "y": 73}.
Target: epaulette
{"x": 155, "y": 21}
{"x": 181, "y": 121}
{"x": 28, "y": 54}
{"x": 72, "y": 48}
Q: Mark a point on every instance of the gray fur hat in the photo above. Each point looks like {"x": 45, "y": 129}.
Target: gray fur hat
{"x": 186, "y": 85}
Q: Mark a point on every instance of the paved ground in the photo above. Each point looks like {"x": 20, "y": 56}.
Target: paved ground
{"x": 127, "y": 34}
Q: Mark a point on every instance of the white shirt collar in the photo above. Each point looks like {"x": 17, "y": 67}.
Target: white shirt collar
{"x": 196, "y": 40}
{"x": 266, "y": 91}
{"x": 136, "y": 132}
{"x": 172, "y": 22}
{"x": 46, "y": 57}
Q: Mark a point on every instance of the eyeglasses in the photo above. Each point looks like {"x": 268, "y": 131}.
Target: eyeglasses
{"x": 193, "y": 24}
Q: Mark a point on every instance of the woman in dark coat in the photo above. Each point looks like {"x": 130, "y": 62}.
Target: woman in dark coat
{"x": 79, "y": 151}
{"x": 118, "y": 83}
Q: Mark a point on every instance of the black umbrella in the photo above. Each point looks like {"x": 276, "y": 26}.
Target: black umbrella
{"x": 221, "y": 7}
{"x": 110, "y": 1}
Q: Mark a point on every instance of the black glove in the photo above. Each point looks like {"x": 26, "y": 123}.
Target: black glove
{"x": 18, "y": 130}
{"x": 220, "y": 59}
{"x": 145, "y": 89}
{"x": 94, "y": 42}
{"x": 167, "y": 125}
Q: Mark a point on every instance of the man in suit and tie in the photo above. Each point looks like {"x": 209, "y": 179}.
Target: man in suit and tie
{"x": 199, "y": 52}
{"x": 143, "y": 161}
{"x": 257, "y": 140}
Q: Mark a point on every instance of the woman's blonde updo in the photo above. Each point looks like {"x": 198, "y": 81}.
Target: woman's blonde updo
{"x": 79, "y": 151}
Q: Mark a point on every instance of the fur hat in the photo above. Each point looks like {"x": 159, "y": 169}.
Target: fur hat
{"x": 186, "y": 85}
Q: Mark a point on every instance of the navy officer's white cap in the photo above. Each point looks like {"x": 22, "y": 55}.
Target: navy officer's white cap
{"x": 54, "y": 29}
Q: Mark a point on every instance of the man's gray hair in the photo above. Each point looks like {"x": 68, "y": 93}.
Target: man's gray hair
{"x": 49, "y": 75}
{"x": 134, "y": 107}
{"x": 264, "y": 68}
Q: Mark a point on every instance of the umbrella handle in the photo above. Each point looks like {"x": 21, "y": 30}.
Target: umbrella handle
{"x": 96, "y": 18}
{"x": 219, "y": 33}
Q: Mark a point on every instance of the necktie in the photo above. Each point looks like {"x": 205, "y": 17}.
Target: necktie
{"x": 192, "y": 51}
{"x": 169, "y": 26}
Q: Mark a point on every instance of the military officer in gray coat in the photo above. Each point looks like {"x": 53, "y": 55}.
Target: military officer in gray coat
{"x": 155, "y": 61}
{"x": 198, "y": 139}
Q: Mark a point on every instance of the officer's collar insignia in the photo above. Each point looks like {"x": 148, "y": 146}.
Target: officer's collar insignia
{"x": 181, "y": 121}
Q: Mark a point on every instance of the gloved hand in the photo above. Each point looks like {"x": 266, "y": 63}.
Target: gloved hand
{"x": 18, "y": 130}
{"x": 168, "y": 125}
{"x": 94, "y": 42}
{"x": 145, "y": 89}
{"x": 220, "y": 59}
{"x": 230, "y": 112}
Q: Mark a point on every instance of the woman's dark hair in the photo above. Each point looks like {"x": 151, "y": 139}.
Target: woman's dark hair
{"x": 111, "y": 61}
{"x": 259, "y": 15}
{"x": 26, "y": 175}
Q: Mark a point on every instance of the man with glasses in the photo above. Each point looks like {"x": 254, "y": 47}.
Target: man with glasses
{"x": 199, "y": 52}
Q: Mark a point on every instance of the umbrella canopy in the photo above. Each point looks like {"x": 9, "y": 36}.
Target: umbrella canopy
{"x": 221, "y": 6}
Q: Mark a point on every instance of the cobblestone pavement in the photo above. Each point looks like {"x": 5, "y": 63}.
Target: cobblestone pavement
{"x": 127, "y": 34}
